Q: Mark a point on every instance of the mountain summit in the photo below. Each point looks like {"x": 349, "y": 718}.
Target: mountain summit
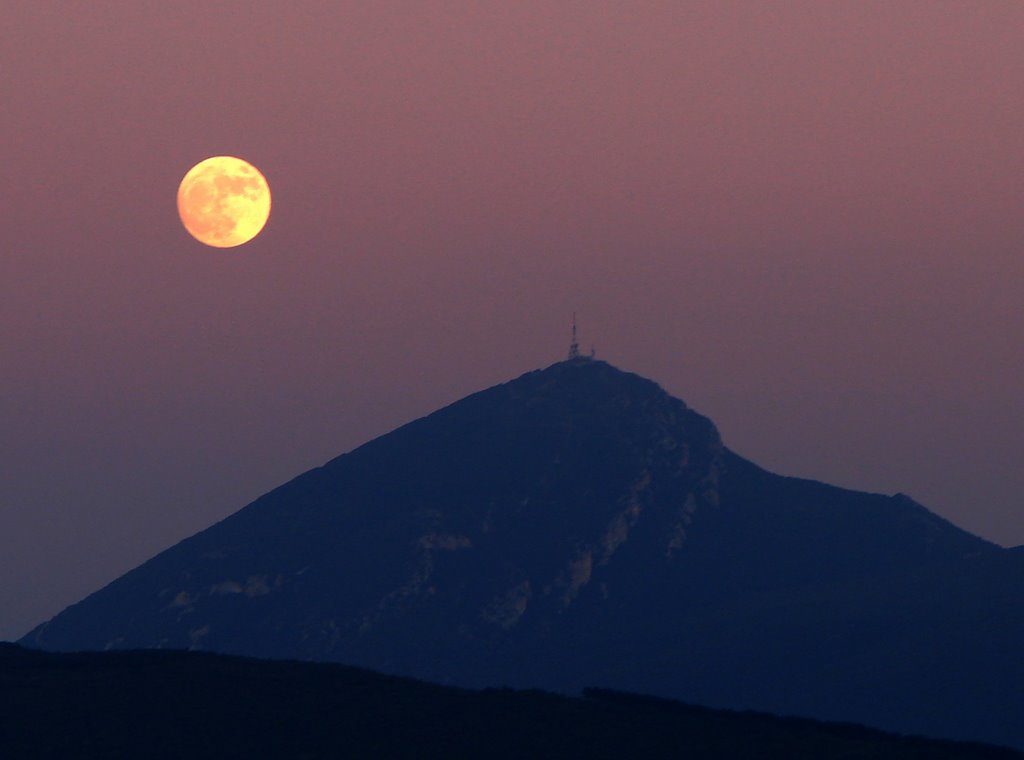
{"x": 579, "y": 526}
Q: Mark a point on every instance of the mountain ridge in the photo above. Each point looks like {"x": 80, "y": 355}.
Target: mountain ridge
{"x": 159, "y": 704}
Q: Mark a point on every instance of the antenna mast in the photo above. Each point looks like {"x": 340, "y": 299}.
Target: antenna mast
{"x": 574, "y": 347}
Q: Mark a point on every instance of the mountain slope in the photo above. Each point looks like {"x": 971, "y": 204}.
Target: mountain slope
{"x": 580, "y": 526}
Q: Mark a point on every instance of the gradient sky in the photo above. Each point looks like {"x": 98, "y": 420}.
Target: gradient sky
{"x": 802, "y": 218}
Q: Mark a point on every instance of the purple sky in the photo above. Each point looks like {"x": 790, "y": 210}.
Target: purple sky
{"x": 803, "y": 218}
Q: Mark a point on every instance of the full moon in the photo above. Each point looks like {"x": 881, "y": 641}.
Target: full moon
{"x": 224, "y": 201}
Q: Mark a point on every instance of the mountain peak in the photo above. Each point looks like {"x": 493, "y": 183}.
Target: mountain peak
{"x": 502, "y": 510}
{"x": 580, "y": 387}
{"x": 596, "y": 378}
{"x": 575, "y": 526}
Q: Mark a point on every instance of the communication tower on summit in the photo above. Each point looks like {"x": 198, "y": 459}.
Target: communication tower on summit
{"x": 574, "y": 347}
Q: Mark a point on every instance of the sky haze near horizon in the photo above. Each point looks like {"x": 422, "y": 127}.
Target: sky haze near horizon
{"x": 802, "y": 218}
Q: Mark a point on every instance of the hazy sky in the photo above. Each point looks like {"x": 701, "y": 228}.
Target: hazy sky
{"x": 802, "y": 218}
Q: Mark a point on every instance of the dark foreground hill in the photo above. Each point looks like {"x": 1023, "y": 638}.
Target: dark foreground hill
{"x": 579, "y": 526}
{"x": 179, "y": 704}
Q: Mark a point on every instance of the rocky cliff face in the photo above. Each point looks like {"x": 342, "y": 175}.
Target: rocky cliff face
{"x": 579, "y": 526}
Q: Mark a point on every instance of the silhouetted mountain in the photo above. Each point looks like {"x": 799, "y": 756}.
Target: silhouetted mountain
{"x": 181, "y": 704}
{"x": 580, "y": 526}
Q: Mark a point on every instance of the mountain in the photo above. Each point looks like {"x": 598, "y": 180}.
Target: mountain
{"x": 579, "y": 526}
{"x": 186, "y": 704}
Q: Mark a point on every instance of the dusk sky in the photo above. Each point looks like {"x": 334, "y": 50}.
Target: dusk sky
{"x": 802, "y": 218}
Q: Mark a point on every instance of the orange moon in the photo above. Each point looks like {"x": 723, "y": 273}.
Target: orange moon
{"x": 224, "y": 201}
